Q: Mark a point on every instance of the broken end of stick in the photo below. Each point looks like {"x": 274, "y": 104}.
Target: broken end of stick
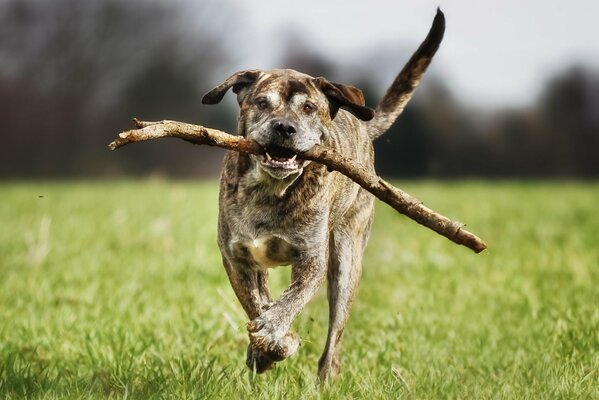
{"x": 480, "y": 248}
{"x": 122, "y": 140}
{"x": 138, "y": 123}
{"x": 470, "y": 240}
{"x": 117, "y": 143}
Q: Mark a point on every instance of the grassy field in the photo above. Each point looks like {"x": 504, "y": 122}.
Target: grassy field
{"x": 116, "y": 290}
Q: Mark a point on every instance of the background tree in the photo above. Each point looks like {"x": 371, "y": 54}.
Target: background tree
{"x": 72, "y": 72}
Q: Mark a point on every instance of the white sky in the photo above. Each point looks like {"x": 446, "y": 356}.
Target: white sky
{"x": 495, "y": 53}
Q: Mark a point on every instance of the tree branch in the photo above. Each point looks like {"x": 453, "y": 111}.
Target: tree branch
{"x": 396, "y": 198}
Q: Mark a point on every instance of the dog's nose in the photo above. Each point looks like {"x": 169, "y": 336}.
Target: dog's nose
{"x": 284, "y": 128}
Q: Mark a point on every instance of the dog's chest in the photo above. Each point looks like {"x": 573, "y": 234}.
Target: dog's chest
{"x": 265, "y": 237}
{"x": 265, "y": 251}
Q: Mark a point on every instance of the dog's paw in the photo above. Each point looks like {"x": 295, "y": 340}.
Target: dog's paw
{"x": 270, "y": 339}
{"x": 328, "y": 368}
{"x": 258, "y": 361}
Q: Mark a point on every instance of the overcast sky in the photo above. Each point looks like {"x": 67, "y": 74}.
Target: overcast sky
{"x": 495, "y": 53}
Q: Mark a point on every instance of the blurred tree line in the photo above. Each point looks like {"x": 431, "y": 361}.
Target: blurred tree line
{"x": 73, "y": 73}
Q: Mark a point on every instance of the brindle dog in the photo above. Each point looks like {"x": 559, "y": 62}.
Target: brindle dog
{"x": 281, "y": 210}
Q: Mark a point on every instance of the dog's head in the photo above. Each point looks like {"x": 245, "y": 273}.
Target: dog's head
{"x": 287, "y": 113}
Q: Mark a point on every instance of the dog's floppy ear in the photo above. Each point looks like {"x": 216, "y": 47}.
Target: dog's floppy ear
{"x": 238, "y": 81}
{"x": 344, "y": 96}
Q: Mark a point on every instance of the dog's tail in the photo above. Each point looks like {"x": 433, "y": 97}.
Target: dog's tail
{"x": 400, "y": 92}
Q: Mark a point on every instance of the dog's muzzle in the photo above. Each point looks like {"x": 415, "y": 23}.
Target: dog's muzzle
{"x": 279, "y": 157}
{"x": 283, "y": 143}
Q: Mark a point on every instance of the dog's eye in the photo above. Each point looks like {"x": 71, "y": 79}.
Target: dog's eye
{"x": 262, "y": 103}
{"x": 308, "y": 108}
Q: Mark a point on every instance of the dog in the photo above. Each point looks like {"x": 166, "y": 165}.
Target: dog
{"x": 279, "y": 209}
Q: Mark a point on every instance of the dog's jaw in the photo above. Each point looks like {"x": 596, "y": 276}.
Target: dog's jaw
{"x": 274, "y": 162}
{"x": 280, "y": 166}
{"x": 275, "y": 180}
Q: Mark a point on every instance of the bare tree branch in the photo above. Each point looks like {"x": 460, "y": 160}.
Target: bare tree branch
{"x": 396, "y": 198}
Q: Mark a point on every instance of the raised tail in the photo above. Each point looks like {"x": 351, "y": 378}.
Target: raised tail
{"x": 400, "y": 92}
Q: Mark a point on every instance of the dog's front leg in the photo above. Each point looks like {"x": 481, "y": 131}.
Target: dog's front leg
{"x": 246, "y": 285}
{"x": 251, "y": 288}
{"x": 269, "y": 332}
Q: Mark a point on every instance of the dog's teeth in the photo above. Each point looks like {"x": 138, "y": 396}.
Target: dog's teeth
{"x": 280, "y": 162}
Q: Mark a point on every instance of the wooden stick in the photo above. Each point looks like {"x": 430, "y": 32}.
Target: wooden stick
{"x": 396, "y": 198}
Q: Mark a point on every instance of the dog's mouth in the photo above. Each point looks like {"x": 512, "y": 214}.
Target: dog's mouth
{"x": 280, "y": 158}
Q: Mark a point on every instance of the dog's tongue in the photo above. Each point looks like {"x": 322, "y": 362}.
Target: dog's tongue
{"x": 279, "y": 158}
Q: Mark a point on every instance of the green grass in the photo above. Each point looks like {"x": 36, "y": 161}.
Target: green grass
{"x": 116, "y": 290}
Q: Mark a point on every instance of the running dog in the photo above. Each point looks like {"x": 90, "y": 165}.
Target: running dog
{"x": 279, "y": 209}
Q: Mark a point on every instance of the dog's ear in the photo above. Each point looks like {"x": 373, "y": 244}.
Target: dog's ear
{"x": 345, "y": 96}
{"x": 238, "y": 81}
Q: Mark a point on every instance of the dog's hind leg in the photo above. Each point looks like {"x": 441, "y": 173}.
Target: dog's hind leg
{"x": 343, "y": 279}
{"x": 345, "y": 268}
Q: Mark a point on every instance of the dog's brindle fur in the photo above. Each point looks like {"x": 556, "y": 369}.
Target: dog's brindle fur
{"x": 300, "y": 214}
